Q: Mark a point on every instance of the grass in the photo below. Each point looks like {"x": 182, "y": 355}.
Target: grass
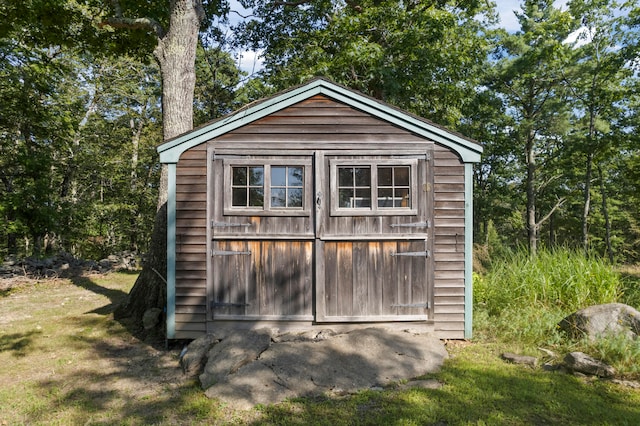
{"x": 522, "y": 299}
{"x": 64, "y": 360}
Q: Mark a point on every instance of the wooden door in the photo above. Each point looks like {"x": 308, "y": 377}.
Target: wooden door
{"x": 374, "y": 238}
{"x": 262, "y": 233}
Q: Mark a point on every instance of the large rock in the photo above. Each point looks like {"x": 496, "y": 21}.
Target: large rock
{"x": 232, "y": 353}
{"x": 583, "y": 363}
{"x": 601, "y": 320}
{"x": 194, "y": 356}
{"x": 313, "y": 365}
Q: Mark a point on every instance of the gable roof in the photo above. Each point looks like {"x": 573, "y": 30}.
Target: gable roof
{"x": 468, "y": 150}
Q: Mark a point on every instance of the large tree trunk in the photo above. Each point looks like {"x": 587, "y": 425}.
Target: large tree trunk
{"x": 175, "y": 53}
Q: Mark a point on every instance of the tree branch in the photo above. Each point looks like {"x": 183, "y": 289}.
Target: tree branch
{"x": 292, "y": 3}
{"x": 135, "y": 24}
{"x": 559, "y": 203}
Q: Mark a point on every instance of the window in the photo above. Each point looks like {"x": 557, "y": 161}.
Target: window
{"x": 373, "y": 187}
{"x": 263, "y": 187}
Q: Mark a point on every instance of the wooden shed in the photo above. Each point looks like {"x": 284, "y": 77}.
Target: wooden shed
{"x": 319, "y": 207}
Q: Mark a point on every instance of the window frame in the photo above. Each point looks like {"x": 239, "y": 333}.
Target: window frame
{"x": 267, "y": 210}
{"x": 374, "y": 210}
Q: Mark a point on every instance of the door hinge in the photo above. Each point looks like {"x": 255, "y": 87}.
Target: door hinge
{"x": 424, "y": 305}
{"x": 426, "y": 224}
{"x": 229, "y": 253}
{"x": 413, "y": 254}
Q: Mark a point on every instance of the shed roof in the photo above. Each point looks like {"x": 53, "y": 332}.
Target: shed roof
{"x": 468, "y": 149}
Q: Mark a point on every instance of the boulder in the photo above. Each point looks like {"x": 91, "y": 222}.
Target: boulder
{"x": 583, "y": 363}
{"x": 232, "y": 353}
{"x": 601, "y": 320}
{"x": 194, "y": 357}
{"x": 151, "y": 318}
{"x": 520, "y": 359}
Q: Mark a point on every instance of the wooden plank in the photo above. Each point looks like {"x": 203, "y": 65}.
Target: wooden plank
{"x": 449, "y": 274}
{"x": 449, "y": 300}
{"x": 449, "y": 266}
{"x": 320, "y": 120}
{"x": 320, "y": 129}
{"x": 191, "y": 171}
{"x": 449, "y": 179}
{"x": 188, "y": 335}
{"x": 449, "y": 288}
{"x": 197, "y": 318}
{"x": 189, "y": 194}
{"x": 448, "y": 256}
{"x": 344, "y": 268}
{"x": 360, "y": 256}
{"x": 190, "y": 257}
{"x": 449, "y": 196}
{"x": 390, "y": 273}
{"x": 445, "y": 317}
{"x": 191, "y": 309}
{"x": 191, "y": 326}
{"x": 442, "y": 309}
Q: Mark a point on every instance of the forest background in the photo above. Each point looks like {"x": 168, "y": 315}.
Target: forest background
{"x": 554, "y": 103}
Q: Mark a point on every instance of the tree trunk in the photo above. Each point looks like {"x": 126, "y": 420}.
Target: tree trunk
{"x": 175, "y": 53}
{"x": 605, "y": 212}
{"x": 587, "y": 202}
{"x": 532, "y": 226}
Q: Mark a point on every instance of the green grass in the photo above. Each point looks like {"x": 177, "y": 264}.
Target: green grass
{"x": 521, "y": 300}
{"x": 65, "y": 360}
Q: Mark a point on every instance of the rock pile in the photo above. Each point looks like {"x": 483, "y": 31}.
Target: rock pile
{"x": 64, "y": 265}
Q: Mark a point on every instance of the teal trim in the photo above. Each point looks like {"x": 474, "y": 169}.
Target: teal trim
{"x": 469, "y": 151}
{"x": 468, "y": 251}
{"x": 171, "y": 251}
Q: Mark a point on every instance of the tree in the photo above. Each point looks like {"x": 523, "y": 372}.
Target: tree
{"x": 529, "y": 78}
{"x": 425, "y": 57}
{"x": 596, "y": 81}
{"x": 175, "y": 52}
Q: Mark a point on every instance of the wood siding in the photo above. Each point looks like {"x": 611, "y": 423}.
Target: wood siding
{"x": 369, "y": 280}
{"x": 449, "y": 230}
{"x": 191, "y": 243}
{"x": 317, "y": 125}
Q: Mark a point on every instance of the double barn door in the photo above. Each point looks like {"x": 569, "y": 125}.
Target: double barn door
{"x": 325, "y": 237}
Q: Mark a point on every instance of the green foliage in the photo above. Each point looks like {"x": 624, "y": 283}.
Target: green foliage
{"x": 423, "y": 57}
{"x": 559, "y": 278}
{"x": 521, "y": 300}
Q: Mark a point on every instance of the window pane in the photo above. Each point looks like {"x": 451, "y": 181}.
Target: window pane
{"x": 385, "y": 197}
{"x": 345, "y": 176}
{"x": 401, "y": 198}
{"x": 278, "y": 197}
{"x": 256, "y": 175}
{"x": 345, "y": 197}
{"x": 363, "y": 176}
{"x": 385, "y": 176}
{"x": 363, "y": 197}
{"x": 295, "y": 197}
{"x": 278, "y": 176}
{"x": 401, "y": 176}
{"x": 239, "y": 197}
{"x": 256, "y": 197}
{"x": 239, "y": 176}
{"x": 296, "y": 176}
